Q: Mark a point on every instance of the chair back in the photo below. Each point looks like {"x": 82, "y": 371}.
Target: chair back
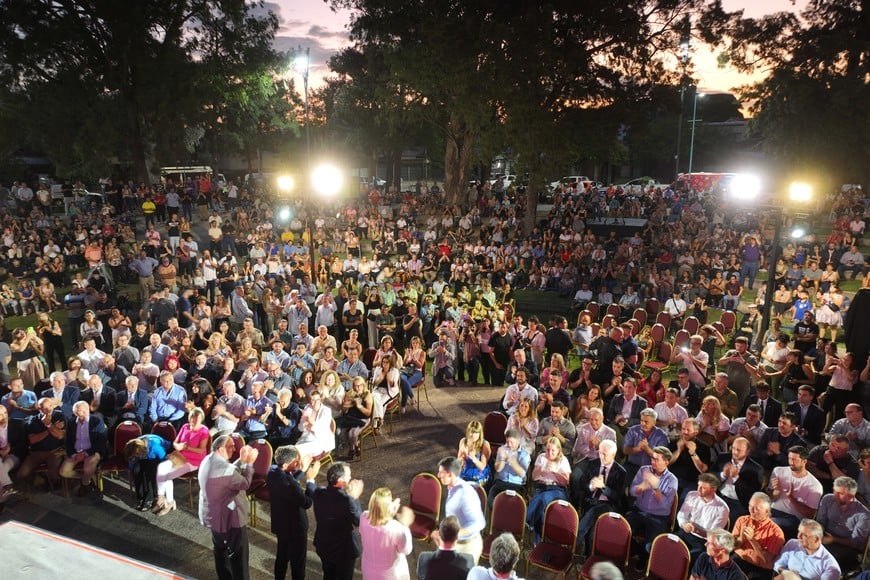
{"x": 672, "y": 517}
{"x": 612, "y": 539}
{"x": 658, "y": 333}
{"x": 669, "y": 558}
{"x": 664, "y": 319}
{"x": 595, "y": 328}
{"x": 652, "y": 306}
{"x": 264, "y": 459}
{"x": 165, "y": 430}
{"x": 666, "y": 350}
{"x": 728, "y": 319}
{"x": 368, "y": 357}
{"x": 613, "y": 310}
{"x": 508, "y": 514}
{"x": 719, "y": 327}
{"x": 594, "y": 310}
{"x": 635, "y": 326}
{"x": 640, "y": 315}
{"x": 426, "y": 495}
{"x": 481, "y": 495}
{"x": 238, "y": 443}
{"x": 125, "y": 432}
{"x": 691, "y": 325}
{"x": 494, "y": 425}
{"x": 608, "y": 322}
{"x": 561, "y": 524}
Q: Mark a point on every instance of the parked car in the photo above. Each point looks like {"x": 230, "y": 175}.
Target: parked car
{"x": 641, "y": 184}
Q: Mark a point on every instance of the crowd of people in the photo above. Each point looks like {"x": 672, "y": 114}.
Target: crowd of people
{"x": 305, "y": 329}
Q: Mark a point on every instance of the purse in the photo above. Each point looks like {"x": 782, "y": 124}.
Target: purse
{"x": 177, "y": 458}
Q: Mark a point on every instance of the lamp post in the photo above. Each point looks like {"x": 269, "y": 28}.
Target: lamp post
{"x": 692, "y": 140}
{"x": 303, "y": 64}
{"x": 326, "y": 181}
{"x": 798, "y": 194}
{"x": 685, "y": 46}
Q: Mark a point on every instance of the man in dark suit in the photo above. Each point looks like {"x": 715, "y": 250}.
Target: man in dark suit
{"x": 101, "y": 399}
{"x": 445, "y": 563}
{"x": 338, "y": 511}
{"x": 85, "y": 444}
{"x": 810, "y": 417}
{"x": 741, "y": 477}
{"x": 289, "y": 504}
{"x": 772, "y": 450}
{"x": 224, "y": 507}
{"x": 770, "y": 408}
{"x": 131, "y": 404}
{"x": 624, "y": 409}
{"x": 601, "y": 489}
{"x": 690, "y": 394}
{"x": 67, "y": 395}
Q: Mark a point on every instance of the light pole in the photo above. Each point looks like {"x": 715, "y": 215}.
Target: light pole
{"x": 799, "y": 194}
{"x": 303, "y": 64}
{"x": 685, "y": 46}
{"x": 692, "y": 140}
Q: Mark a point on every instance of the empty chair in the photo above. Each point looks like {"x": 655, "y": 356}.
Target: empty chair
{"x": 691, "y": 325}
{"x": 658, "y": 333}
{"x": 640, "y": 315}
{"x": 653, "y": 306}
{"x": 594, "y": 310}
{"x": 664, "y": 319}
{"x": 728, "y": 319}
{"x": 681, "y": 338}
{"x": 117, "y": 462}
{"x": 613, "y": 310}
{"x": 165, "y": 430}
{"x": 555, "y": 551}
{"x": 669, "y": 558}
{"x": 508, "y": 515}
{"x": 425, "y": 500}
{"x": 494, "y": 426}
{"x": 611, "y": 542}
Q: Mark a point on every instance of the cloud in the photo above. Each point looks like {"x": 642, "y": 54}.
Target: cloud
{"x": 318, "y": 31}
{"x": 265, "y": 9}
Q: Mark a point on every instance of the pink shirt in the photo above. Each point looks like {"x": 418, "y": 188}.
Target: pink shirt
{"x": 196, "y": 438}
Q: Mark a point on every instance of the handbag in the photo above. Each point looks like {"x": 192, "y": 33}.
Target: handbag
{"x": 177, "y": 458}
{"x": 408, "y": 370}
{"x": 833, "y": 307}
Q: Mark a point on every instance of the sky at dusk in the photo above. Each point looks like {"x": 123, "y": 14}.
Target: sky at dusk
{"x": 312, "y": 24}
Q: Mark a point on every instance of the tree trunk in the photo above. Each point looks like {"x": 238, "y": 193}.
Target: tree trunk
{"x": 135, "y": 139}
{"x": 457, "y": 160}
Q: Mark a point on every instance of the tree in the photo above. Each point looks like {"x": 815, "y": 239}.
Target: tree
{"x": 807, "y": 110}
{"x": 519, "y": 71}
{"x": 151, "y": 69}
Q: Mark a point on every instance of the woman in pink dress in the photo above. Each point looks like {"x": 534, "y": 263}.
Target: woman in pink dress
{"x": 191, "y": 443}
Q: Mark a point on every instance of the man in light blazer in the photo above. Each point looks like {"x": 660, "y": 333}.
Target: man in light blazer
{"x": 224, "y": 508}
{"x": 445, "y": 563}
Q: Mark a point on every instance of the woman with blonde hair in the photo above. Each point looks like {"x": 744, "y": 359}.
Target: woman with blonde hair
{"x": 525, "y": 421}
{"x": 714, "y": 423}
{"x": 386, "y": 539}
{"x": 474, "y": 453}
{"x": 550, "y": 475}
{"x": 356, "y": 414}
{"x": 190, "y": 449}
{"x": 332, "y": 390}
{"x": 557, "y": 365}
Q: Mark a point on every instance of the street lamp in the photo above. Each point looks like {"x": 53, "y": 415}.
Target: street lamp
{"x": 326, "y": 180}
{"x": 692, "y": 141}
{"x": 302, "y": 63}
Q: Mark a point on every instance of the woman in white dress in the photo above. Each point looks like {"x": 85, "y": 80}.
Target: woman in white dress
{"x": 386, "y": 539}
{"x": 315, "y": 426}
{"x": 385, "y": 385}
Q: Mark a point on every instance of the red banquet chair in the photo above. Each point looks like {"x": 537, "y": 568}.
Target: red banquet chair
{"x": 165, "y": 430}
{"x": 125, "y": 432}
{"x": 494, "y": 426}
{"x": 669, "y": 558}
{"x": 508, "y": 515}
{"x": 555, "y": 551}
{"x": 261, "y": 468}
{"x": 425, "y": 500}
{"x": 611, "y": 543}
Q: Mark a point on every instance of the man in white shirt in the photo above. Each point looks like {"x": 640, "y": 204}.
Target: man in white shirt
{"x": 795, "y": 492}
{"x": 91, "y": 356}
{"x": 519, "y": 391}
{"x": 702, "y": 510}
{"x": 670, "y": 413}
{"x": 694, "y": 359}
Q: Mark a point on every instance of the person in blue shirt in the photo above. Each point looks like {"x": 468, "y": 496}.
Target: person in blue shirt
{"x": 511, "y": 465}
{"x": 653, "y": 489}
{"x": 168, "y": 401}
{"x": 144, "y": 454}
